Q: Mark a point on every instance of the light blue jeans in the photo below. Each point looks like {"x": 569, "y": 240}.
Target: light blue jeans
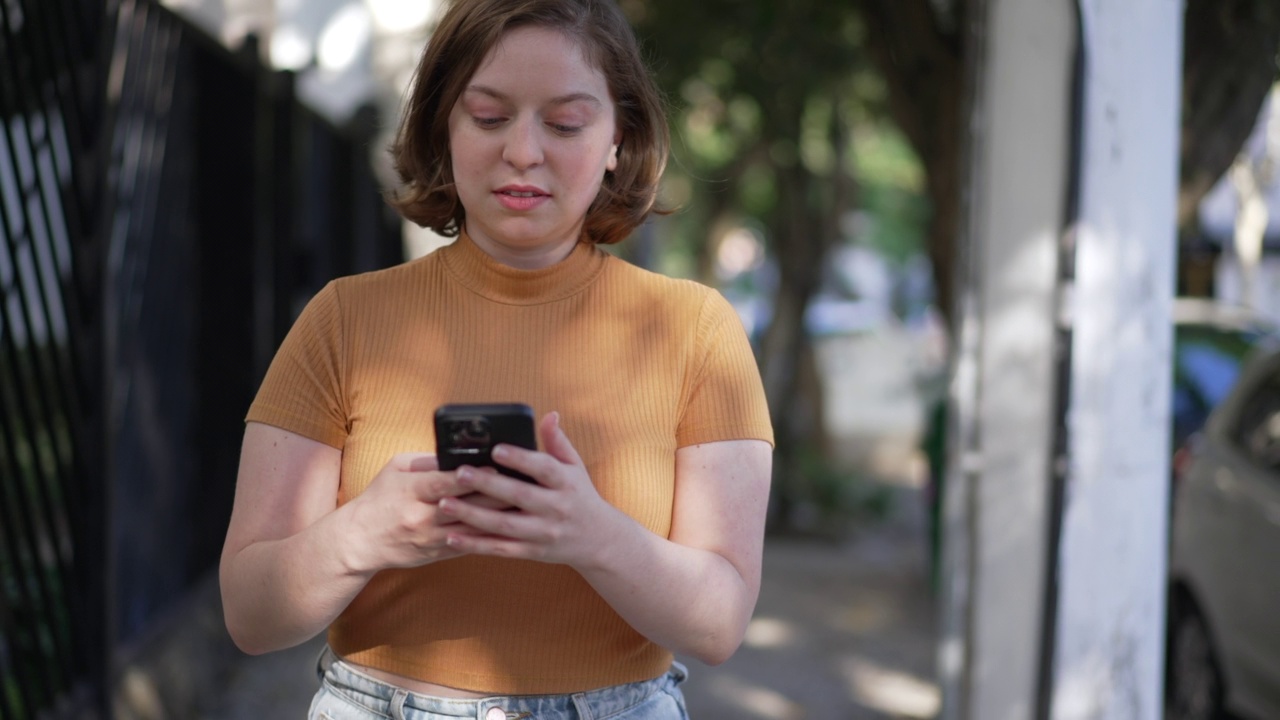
{"x": 348, "y": 694}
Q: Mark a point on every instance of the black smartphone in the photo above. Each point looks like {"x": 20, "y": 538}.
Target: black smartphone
{"x": 466, "y": 434}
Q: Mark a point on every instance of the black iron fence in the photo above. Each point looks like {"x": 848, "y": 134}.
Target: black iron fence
{"x": 51, "y": 531}
{"x": 166, "y": 206}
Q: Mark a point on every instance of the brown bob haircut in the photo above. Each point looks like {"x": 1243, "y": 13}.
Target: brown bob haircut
{"x": 464, "y": 36}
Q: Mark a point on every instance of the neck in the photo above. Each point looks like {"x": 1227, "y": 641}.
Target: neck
{"x": 554, "y": 277}
{"x": 534, "y": 258}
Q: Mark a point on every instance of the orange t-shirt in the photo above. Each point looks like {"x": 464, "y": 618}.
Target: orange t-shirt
{"x": 637, "y": 364}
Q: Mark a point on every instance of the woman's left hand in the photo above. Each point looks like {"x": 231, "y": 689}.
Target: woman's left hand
{"x": 691, "y": 592}
{"x": 561, "y": 519}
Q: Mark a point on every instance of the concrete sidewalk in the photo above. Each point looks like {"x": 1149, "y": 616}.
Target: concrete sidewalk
{"x": 843, "y": 630}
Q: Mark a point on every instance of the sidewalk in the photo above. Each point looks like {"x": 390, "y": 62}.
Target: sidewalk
{"x": 842, "y": 630}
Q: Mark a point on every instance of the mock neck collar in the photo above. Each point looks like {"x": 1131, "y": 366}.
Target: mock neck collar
{"x": 487, "y": 277}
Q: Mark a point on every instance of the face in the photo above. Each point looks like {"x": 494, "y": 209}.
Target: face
{"x": 531, "y": 138}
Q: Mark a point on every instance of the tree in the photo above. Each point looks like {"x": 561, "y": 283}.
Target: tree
{"x": 763, "y": 83}
{"x": 1230, "y": 62}
{"x": 768, "y": 92}
{"x": 921, "y": 48}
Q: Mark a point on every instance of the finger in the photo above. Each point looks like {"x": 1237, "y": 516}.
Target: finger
{"x": 492, "y": 522}
{"x": 476, "y": 499}
{"x": 530, "y": 462}
{"x": 431, "y": 486}
{"x": 414, "y": 462}
{"x": 485, "y": 501}
{"x": 467, "y": 544}
{"x": 492, "y": 484}
{"x": 541, "y": 465}
{"x": 555, "y": 441}
{"x": 423, "y": 462}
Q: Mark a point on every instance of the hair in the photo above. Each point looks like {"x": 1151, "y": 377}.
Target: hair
{"x": 466, "y": 33}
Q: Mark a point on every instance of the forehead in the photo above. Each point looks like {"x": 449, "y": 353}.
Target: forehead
{"x": 534, "y": 58}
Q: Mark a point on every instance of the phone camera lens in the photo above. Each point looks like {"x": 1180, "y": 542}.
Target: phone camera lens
{"x": 470, "y": 433}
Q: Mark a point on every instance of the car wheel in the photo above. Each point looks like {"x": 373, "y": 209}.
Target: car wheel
{"x": 1193, "y": 687}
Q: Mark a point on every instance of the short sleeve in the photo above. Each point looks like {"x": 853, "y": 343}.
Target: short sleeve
{"x": 302, "y": 391}
{"x": 725, "y": 396}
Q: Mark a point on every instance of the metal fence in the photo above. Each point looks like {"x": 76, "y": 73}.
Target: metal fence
{"x": 51, "y": 534}
{"x": 166, "y": 207}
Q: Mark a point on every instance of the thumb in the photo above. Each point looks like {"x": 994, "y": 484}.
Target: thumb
{"x": 555, "y": 442}
{"x": 423, "y": 462}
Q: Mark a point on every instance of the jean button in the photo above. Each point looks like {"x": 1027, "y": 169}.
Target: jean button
{"x": 495, "y": 713}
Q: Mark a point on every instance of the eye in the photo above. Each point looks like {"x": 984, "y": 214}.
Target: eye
{"x": 487, "y": 122}
{"x": 564, "y": 129}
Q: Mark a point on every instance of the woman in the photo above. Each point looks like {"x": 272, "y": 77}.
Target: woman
{"x": 534, "y": 133}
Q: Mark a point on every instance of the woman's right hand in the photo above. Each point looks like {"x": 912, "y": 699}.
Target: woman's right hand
{"x": 396, "y": 522}
{"x": 293, "y": 560}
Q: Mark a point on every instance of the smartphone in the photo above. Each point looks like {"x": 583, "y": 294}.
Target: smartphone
{"x": 466, "y": 434}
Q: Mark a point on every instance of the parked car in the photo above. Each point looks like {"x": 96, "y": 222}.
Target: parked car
{"x": 1223, "y": 643}
{"x": 1210, "y": 342}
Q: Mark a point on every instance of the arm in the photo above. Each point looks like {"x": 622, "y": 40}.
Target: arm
{"x": 293, "y": 561}
{"x": 693, "y": 593}
{"x": 277, "y": 551}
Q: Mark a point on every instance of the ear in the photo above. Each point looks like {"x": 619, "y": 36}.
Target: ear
{"x": 612, "y": 163}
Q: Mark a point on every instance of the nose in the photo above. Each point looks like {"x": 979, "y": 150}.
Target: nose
{"x": 523, "y": 147}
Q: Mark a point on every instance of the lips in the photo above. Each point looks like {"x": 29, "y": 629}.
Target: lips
{"x": 521, "y": 197}
{"x": 521, "y": 191}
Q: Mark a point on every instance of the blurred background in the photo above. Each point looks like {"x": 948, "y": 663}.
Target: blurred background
{"x": 178, "y": 177}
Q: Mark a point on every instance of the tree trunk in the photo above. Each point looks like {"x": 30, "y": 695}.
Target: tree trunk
{"x": 797, "y": 250}
{"x": 921, "y": 62}
{"x": 807, "y": 225}
{"x": 945, "y": 189}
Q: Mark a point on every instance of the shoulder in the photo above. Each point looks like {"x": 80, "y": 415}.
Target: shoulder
{"x": 387, "y": 284}
{"x": 660, "y": 290}
{"x": 697, "y": 306}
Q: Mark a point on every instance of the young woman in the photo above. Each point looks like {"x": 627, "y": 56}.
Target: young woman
{"x": 533, "y": 133}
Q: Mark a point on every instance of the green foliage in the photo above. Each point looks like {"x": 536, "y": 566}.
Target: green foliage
{"x": 892, "y": 195}
{"x": 758, "y": 191}
{"x": 13, "y": 698}
{"x": 839, "y": 495}
{"x": 744, "y": 72}
{"x": 780, "y": 123}
{"x": 759, "y": 86}
{"x": 885, "y": 157}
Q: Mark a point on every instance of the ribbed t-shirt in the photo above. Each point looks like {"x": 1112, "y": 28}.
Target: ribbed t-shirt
{"x": 637, "y": 364}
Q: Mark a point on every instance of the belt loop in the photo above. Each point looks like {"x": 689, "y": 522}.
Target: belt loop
{"x": 582, "y": 706}
{"x": 398, "y": 700}
{"x": 324, "y": 661}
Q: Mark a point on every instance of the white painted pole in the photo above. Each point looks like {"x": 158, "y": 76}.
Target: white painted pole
{"x": 1110, "y": 620}
{"x": 997, "y": 489}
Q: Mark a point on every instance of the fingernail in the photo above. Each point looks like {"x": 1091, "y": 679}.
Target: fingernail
{"x": 500, "y": 452}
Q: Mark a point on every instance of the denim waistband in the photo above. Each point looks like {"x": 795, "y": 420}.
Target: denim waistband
{"x": 392, "y": 701}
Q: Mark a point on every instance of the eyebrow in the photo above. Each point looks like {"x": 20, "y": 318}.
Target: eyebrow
{"x": 558, "y": 100}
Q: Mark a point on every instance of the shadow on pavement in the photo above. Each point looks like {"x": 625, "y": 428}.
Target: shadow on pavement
{"x": 843, "y": 630}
